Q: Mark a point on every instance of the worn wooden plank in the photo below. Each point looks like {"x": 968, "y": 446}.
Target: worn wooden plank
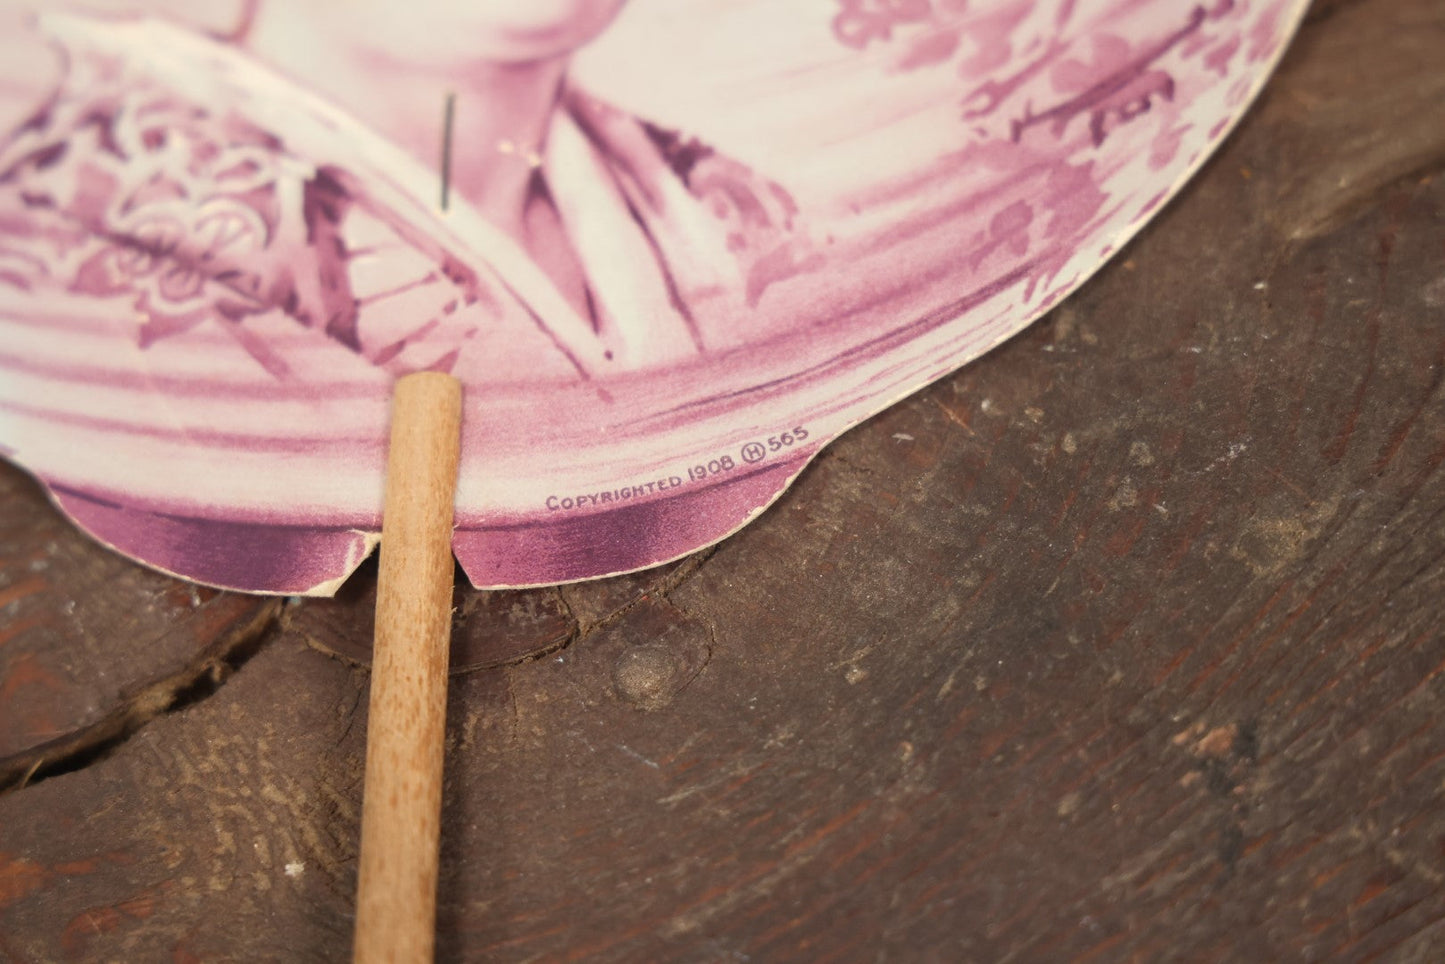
{"x": 90, "y": 643}
{"x": 177, "y": 846}
{"x": 488, "y": 629}
{"x": 1124, "y": 643}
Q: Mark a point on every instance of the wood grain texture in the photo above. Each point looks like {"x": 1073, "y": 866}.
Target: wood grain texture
{"x": 91, "y": 646}
{"x": 1125, "y": 643}
{"x": 407, "y": 709}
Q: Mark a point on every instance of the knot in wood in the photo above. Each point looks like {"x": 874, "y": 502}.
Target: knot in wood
{"x": 648, "y": 676}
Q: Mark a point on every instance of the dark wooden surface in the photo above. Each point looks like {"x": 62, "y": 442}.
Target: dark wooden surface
{"x": 1124, "y": 643}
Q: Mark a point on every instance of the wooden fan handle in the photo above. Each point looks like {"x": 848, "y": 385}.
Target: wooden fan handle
{"x": 401, "y": 804}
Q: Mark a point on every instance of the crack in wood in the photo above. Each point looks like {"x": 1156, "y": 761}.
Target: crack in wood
{"x": 172, "y": 693}
{"x": 663, "y": 588}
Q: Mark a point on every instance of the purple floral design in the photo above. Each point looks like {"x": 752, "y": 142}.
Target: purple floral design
{"x": 1108, "y": 83}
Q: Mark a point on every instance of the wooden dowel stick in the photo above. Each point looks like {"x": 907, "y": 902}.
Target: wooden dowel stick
{"x": 401, "y": 803}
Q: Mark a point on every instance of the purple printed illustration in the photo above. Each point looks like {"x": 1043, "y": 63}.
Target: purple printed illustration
{"x": 670, "y": 248}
